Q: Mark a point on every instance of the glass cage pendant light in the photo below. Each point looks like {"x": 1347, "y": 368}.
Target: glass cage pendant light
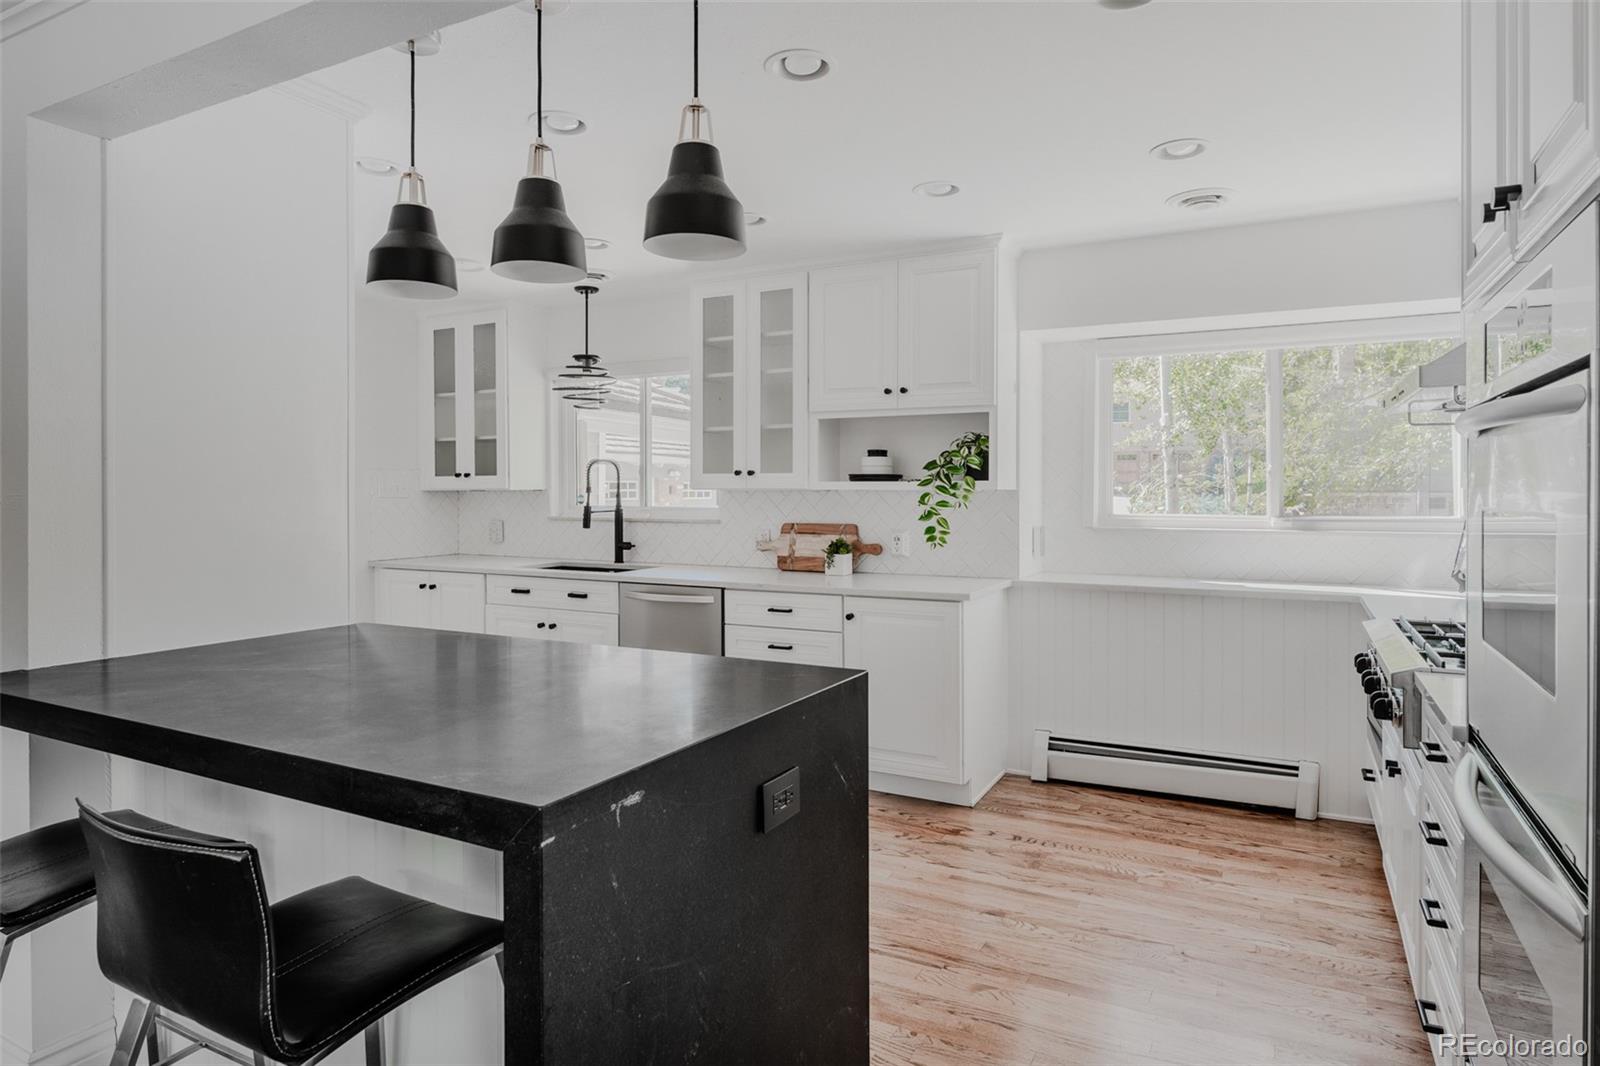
{"x": 694, "y": 215}
{"x": 537, "y": 241}
{"x": 409, "y": 260}
{"x": 584, "y": 382}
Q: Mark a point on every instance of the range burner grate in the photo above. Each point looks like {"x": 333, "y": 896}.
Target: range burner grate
{"x": 1442, "y": 644}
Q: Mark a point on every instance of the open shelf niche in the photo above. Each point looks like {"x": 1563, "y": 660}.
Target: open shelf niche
{"x": 912, "y": 438}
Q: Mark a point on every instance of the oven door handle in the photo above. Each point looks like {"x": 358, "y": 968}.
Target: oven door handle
{"x": 1541, "y": 403}
{"x": 1503, "y": 857}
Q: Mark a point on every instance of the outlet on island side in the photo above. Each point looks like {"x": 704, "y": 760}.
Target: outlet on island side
{"x": 780, "y": 799}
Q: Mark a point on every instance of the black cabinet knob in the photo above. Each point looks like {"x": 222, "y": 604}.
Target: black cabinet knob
{"x": 467, "y": 474}
{"x": 552, "y": 625}
{"x": 904, "y": 389}
{"x": 749, "y": 473}
{"x": 422, "y": 585}
{"x": 458, "y": 473}
{"x": 849, "y": 617}
{"x": 1381, "y": 706}
{"x": 1363, "y": 662}
{"x": 736, "y": 473}
{"x": 541, "y": 625}
{"x": 432, "y": 587}
{"x": 888, "y": 391}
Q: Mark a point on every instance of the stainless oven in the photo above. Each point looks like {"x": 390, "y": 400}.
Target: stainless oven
{"x": 1522, "y": 962}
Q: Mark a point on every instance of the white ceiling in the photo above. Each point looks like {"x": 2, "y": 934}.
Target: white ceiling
{"x": 1042, "y": 112}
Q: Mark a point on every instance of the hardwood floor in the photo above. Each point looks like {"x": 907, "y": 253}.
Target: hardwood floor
{"x": 1059, "y": 924}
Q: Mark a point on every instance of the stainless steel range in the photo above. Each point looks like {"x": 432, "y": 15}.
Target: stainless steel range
{"x": 1398, "y": 651}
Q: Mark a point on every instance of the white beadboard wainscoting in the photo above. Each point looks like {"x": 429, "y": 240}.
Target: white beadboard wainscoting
{"x": 1227, "y": 674}
{"x": 301, "y": 846}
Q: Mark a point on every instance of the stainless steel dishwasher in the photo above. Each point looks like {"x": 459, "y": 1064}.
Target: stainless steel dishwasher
{"x": 672, "y": 618}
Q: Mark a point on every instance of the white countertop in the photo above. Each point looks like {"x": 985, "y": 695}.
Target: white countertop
{"x": 756, "y": 579}
{"x": 1378, "y": 602}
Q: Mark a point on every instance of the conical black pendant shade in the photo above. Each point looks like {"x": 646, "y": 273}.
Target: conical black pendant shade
{"x": 537, "y": 241}
{"x": 409, "y": 260}
{"x": 694, "y": 215}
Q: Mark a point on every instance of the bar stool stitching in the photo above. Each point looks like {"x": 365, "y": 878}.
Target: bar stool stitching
{"x": 317, "y": 951}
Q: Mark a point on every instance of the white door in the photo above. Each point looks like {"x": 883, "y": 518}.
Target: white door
{"x": 1486, "y": 244}
{"x": 775, "y": 373}
{"x": 911, "y": 650}
{"x": 401, "y": 598}
{"x": 457, "y": 601}
{"x": 854, "y": 338}
{"x": 1558, "y": 143}
{"x": 718, "y": 413}
{"x": 946, "y": 353}
{"x": 464, "y": 439}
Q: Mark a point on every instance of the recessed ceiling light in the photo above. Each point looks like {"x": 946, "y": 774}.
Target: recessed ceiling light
{"x": 563, "y": 122}
{"x": 1200, "y": 199}
{"x": 1182, "y": 148}
{"x": 936, "y": 189}
{"x": 797, "y": 64}
{"x": 598, "y": 276}
{"x": 595, "y": 244}
{"x": 427, "y": 45}
{"x": 376, "y": 166}
{"x": 753, "y": 219}
{"x": 468, "y": 265}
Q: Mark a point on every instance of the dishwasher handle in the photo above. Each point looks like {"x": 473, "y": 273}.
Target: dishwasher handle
{"x": 662, "y": 597}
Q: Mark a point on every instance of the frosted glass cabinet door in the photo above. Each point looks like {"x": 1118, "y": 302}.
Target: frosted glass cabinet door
{"x": 718, "y": 406}
{"x": 775, "y": 428}
{"x": 464, "y": 401}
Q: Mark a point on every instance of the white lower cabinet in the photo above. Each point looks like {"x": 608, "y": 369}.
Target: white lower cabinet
{"x": 577, "y": 627}
{"x": 911, "y": 650}
{"x": 776, "y": 644}
{"x": 429, "y": 600}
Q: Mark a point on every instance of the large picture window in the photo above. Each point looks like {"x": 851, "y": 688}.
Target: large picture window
{"x": 644, "y": 428}
{"x": 1275, "y": 428}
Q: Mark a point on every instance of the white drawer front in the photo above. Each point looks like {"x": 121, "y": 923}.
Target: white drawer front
{"x": 783, "y": 610}
{"x": 783, "y": 645}
{"x": 552, "y": 592}
{"x": 578, "y": 627}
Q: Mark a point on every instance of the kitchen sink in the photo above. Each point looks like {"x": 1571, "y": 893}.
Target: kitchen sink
{"x": 593, "y": 568}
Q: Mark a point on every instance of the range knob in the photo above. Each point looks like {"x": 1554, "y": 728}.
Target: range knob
{"x": 1381, "y": 704}
{"x": 1363, "y": 662}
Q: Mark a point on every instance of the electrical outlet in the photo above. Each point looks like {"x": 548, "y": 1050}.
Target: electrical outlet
{"x": 497, "y": 531}
{"x": 900, "y": 543}
{"x": 763, "y": 537}
{"x": 780, "y": 799}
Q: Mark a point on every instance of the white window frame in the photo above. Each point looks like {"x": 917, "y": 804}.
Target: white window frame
{"x": 567, "y": 499}
{"x": 1273, "y": 340}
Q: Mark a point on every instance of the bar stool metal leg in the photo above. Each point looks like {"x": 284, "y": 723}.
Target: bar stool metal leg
{"x": 135, "y": 1029}
{"x": 5, "y": 953}
{"x": 375, "y": 1044}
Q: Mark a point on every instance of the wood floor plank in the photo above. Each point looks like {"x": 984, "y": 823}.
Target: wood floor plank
{"x": 1058, "y": 924}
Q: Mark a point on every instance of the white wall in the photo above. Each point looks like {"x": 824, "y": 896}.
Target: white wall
{"x": 227, "y": 375}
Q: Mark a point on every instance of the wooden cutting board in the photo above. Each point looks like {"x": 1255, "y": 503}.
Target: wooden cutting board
{"x": 799, "y": 545}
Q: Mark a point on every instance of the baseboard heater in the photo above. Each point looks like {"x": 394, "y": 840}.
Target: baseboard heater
{"x": 1234, "y": 778}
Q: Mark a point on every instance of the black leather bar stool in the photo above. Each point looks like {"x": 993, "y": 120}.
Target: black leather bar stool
{"x": 44, "y": 873}
{"x": 184, "y": 922}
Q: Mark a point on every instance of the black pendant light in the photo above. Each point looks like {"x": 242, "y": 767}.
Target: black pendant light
{"x": 410, "y": 261}
{"x": 537, "y": 241}
{"x": 694, "y": 215}
{"x": 584, "y": 381}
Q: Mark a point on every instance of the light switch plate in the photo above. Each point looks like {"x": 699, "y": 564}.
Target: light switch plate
{"x": 497, "y": 531}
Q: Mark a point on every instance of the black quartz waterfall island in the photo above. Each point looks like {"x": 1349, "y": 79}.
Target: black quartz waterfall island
{"x": 667, "y": 896}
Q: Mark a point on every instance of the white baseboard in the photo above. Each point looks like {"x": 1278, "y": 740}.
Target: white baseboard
{"x": 966, "y": 795}
{"x": 90, "y": 1046}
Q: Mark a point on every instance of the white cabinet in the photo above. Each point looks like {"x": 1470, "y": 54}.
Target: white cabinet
{"x": 483, "y": 411}
{"x": 917, "y": 333}
{"x": 577, "y": 627}
{"x": 429, "y": 600}
{"x": 855, "y": 337}
{"x": 750, "y": 369}
{"x": 911, "y": 650}
{"x": 1531, "y": 96}
{"x": 947, "y": 331}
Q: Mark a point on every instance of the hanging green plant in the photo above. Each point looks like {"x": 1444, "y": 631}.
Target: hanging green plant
{"x": 952, "y": 476}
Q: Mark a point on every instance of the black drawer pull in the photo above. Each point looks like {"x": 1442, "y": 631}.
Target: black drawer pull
{"x": 1426, "y": 1007}
{"x": 1368, "y": 774}
{"x": 781, "y": 647}
{"x": 850, "y": 617}
{"x": 780, "y": 610}
{"x": 1433, "y": 833}
{"x": 522, "y": 592}
{"x": 1391, "y": 768}
{"x": 1433, "y": 913}
{"x": 577, "y": 595}
{"x": 1433, "y": 751}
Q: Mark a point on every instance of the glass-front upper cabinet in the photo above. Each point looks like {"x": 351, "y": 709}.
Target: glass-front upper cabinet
{"x": 749, "y": 420}
{"x": 465, "y": 405}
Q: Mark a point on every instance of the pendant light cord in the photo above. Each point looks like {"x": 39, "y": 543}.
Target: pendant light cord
{"x": 696, "y": 49}
{"x": 411, "y": 46}
{"x": 538, "y": 49}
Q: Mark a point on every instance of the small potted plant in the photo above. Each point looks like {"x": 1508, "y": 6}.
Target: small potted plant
{"x": 838, "y": 558}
